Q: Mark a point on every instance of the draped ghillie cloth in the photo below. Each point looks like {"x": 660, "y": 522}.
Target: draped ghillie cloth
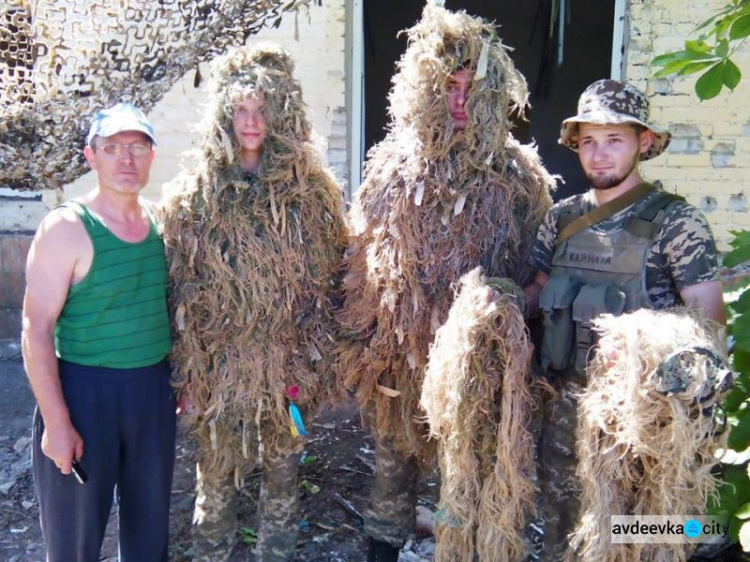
{"x": 647, "y": 429}
{"x": 436, "y": 203}
{"x": 477, "y": 396}
{"x": 254, "y": 263}
{"x": 62, "y": 61}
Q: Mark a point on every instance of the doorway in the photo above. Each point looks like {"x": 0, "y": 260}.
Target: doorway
{"x": 555, "y": 77}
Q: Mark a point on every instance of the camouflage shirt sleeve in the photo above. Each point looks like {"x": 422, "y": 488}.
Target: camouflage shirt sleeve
{"x": 683, "y": 254}
{"x": 687, "y": 246}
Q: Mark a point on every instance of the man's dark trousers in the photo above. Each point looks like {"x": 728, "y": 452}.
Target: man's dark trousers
{"x": 126, "y": 418}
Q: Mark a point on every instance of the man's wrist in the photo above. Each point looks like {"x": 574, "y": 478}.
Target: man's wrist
{"x": 56, "y": 420}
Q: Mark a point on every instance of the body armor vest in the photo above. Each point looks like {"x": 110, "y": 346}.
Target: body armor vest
{"x": 593, "y": 274}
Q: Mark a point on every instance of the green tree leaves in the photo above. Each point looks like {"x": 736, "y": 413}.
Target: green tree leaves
{"x": 730, "y": 74}
{"x": 725, "y": 32}
{"x": 709, "y": 85}
{"x": 740, "y": 28}
{"x": 734, "y": 493}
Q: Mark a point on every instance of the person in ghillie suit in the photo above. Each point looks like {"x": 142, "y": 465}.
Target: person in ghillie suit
{"x": 255, "y": 235}
{"x": 447, "y": 190}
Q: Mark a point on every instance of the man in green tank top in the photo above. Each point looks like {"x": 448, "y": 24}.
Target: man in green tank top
{"x": 95, "y": 340}
{"x": 621, "y": 246}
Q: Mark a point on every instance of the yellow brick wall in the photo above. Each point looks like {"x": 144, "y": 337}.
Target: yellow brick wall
{"x": 709, "y": 159}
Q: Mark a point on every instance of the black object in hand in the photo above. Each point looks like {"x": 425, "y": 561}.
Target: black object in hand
{"x": 79, "y": 473}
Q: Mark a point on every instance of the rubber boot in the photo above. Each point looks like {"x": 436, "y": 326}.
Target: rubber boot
{"x": 380, "y": 551}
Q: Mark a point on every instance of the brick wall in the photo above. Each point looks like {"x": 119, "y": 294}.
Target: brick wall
{"x": 13, "y": 251}
{"x": 709, "y": 158}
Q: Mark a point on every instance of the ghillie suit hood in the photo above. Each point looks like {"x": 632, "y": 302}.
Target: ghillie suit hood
{"x": 647, "y": 428}
{"x": 436, "y": 203}
{"x": 478, "y": 401}
{"x": 254, "y": 263}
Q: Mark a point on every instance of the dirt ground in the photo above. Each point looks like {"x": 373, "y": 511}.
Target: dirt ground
{"x": 335, "y": 479}
{"x": 336, "y": 470}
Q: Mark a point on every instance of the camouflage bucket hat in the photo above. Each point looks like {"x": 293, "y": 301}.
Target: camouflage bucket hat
{"x": 609, "y": 102}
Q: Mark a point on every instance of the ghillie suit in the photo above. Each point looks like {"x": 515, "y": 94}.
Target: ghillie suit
{"x": 254, "y": 263}
{"x": 478, "y": 401}
{"x": 647, "y": 430}
{"x": 436, "y": 202}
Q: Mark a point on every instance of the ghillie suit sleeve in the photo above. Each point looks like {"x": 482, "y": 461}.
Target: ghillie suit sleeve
{"x": 647, "y": 430}
{"x": 436, "y": 203}
{"x": 478, "y": 400}
{"x": 254, "y": 264}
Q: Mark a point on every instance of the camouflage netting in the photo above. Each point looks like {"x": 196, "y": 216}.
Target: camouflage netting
{"x": 254, "y": 264}
{"x": 436, "y": 203}
{"x": 62, "y": 61}
{"x": 647, "y": 428}
{"x": 478, "y": 400}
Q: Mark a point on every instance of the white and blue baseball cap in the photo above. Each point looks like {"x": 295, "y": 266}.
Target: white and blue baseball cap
{"x": 118, "y": 118}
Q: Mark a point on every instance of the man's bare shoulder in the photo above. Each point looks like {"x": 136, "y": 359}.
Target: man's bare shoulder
{"x": 62, "y": 221}
{"x": 59, "y": 256}
{"x": 62, "y": 231}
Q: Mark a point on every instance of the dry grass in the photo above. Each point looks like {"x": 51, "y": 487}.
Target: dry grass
{"x": 643, "y": 452}
{"x": 254, "y": 264}
{"x": 478, "y": 401}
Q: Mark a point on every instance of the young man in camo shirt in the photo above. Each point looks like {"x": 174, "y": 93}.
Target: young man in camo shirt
{"x": 622, "y": 245}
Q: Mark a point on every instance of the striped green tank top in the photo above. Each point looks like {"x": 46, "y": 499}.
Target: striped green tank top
{"x": 116, "y": 316}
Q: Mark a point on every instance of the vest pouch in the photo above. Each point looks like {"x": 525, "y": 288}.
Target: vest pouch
{"x": 591, "y": 302}
{"x": 558, "y": 338}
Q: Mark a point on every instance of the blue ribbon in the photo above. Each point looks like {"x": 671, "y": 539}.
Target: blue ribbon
{"x": 297, "y": 419}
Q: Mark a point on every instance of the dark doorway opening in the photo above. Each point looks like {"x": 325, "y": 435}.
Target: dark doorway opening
{"x": 524, "y": 26}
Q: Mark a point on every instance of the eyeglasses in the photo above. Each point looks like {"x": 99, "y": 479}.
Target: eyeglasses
{"x": 135, "y": 150}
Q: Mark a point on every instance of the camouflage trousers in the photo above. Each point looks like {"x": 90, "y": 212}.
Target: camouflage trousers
{"x": 392, "y": 514}
{"x": 559, "y": 486}
{"x": 215, "y": 516}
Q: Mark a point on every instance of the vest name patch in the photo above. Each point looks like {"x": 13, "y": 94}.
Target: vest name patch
{"x": 589, "y": 258}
